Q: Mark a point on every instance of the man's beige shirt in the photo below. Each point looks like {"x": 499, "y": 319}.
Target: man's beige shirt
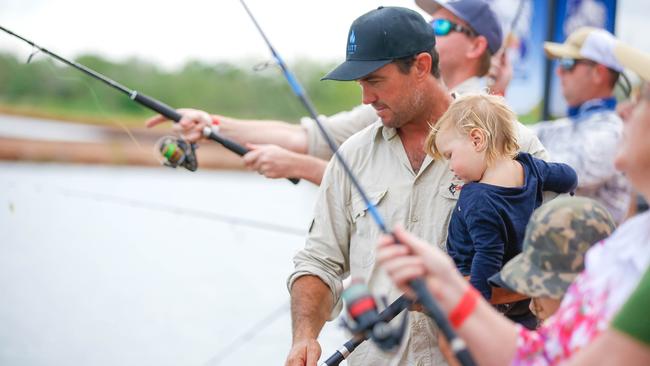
{"x": 343, "y": 235}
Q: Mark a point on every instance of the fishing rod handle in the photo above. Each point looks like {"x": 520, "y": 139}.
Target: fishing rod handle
{"x": 458, "y": 346}
{"x": 342, "y": 353}
{"x": 156, "y": 106}
{"x": 233, "y": 146}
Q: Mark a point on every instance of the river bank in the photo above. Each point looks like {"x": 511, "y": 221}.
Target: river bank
{"x": 40, "y": 139}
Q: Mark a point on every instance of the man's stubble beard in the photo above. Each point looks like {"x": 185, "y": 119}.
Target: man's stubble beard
{"x": 405, "y": 113}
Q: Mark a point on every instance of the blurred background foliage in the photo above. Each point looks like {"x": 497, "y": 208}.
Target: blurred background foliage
{"x": 46, "y": 87}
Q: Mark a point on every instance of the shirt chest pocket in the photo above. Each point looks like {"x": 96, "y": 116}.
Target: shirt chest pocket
{"x": 451, "y": 190}
{"x": 448, "y": 194}
{"x": 365, "y": 230}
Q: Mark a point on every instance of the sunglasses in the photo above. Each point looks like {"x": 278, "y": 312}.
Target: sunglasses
{"x": 442, "y": 27}
{"x": 568, "y": 64}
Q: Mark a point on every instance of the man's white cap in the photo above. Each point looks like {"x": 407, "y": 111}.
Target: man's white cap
{"x": 633, "y": 59}
{"x": 589, "y": 43}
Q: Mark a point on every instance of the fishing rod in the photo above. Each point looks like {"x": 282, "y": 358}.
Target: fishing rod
{"x": 418, "y": 285}
{"x": 390, "y": 312}
{"x": 507, "y": 40}
{"x": 513, "y": 23}
{"x": 175, "y": 152}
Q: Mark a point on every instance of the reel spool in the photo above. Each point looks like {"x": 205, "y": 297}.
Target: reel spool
{"x": 173, "y": 152}
{"x": 362, "y": 309}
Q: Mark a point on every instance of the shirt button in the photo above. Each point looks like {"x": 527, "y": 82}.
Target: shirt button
{"x": 414, "y": 219}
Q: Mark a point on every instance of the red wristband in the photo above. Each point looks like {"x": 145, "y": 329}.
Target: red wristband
{"x": 215, "y": 121}
{"x": 464, "y": 308}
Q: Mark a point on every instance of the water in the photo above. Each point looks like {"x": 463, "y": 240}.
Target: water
{"x": 41, "y": 129}
{"x": 135, "y": 266}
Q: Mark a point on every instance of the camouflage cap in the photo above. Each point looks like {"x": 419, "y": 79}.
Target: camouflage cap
{"x": 557, "y": 237}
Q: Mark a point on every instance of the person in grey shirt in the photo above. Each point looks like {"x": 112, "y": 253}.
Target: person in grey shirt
{"x": 588, "y": 138}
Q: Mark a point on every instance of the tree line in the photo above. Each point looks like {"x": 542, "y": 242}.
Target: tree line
{"x": 233, "y": 89}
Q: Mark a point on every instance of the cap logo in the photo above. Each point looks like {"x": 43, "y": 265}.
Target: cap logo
{"x": 352, "y": 46}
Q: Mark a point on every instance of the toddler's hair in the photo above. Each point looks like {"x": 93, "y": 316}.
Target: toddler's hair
{"x": 488, "y": 113}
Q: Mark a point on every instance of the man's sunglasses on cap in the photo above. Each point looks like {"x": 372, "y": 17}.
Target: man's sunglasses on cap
{"x": 567, "y": 64}
{"x": 442, "y": 27}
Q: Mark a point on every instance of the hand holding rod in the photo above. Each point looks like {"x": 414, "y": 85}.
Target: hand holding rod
{"x": 144, "y": 100}
{"x": 418, "y": 285}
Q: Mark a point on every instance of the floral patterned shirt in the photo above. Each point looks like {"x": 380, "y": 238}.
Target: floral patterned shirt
{"x": 613, "y": 268}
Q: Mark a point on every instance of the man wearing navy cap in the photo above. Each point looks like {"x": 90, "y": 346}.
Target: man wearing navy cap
{"x": 391, "y": 53}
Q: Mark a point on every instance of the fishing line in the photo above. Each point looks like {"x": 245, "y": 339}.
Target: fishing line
{"x": 248, "y": 335}
{"x": 294, "y": 108}
{"x": 183, "y": 211}
{"x": 57, "y": 75}
{"x": 169, "y": 208}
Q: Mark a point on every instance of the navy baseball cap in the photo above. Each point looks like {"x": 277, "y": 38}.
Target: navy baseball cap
{"x": 380, "y": 36}
{"x": 476, "y": 13}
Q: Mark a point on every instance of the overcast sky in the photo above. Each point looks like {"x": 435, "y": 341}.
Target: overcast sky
{"x": 171, "y": 32}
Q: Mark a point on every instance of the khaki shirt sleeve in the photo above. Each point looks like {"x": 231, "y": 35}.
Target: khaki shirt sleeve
{"x": 340, "y": 126}
{"x": 326, "y": 251}
{"x": 529, "y": 143}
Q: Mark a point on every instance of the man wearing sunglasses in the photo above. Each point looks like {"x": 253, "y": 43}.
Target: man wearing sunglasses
{"x": 588, "y": 137}
{"x": 467, "y": 33}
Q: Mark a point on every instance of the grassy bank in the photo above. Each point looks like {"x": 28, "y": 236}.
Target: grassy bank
{"x": 47, "y": 88}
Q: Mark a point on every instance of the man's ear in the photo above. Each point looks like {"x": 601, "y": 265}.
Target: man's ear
{"x": 422, "y": 65}
{"x": 478, "y": 139}
{"x": 480, "y": 46}
{"x": 601, "y": 73}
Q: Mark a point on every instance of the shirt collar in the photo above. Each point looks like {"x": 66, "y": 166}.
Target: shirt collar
{"x": 388, "y": 132}
{"x": 474, "y": 84}
{"x": 591, "y": 106}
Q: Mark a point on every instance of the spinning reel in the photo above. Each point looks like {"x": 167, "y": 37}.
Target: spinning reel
{"x": 362, "y": 309}
{"x": 177, "y": 152}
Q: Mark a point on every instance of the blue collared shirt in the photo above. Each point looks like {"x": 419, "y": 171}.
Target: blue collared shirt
{"x": 588, "y": 140}
{"x": 589, "y": 107}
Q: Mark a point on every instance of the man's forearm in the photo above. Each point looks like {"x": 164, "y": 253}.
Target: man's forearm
{"x": 310, "y": 168}
{"x": 311, "y": 304}
{"x": 289, "y": 136}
